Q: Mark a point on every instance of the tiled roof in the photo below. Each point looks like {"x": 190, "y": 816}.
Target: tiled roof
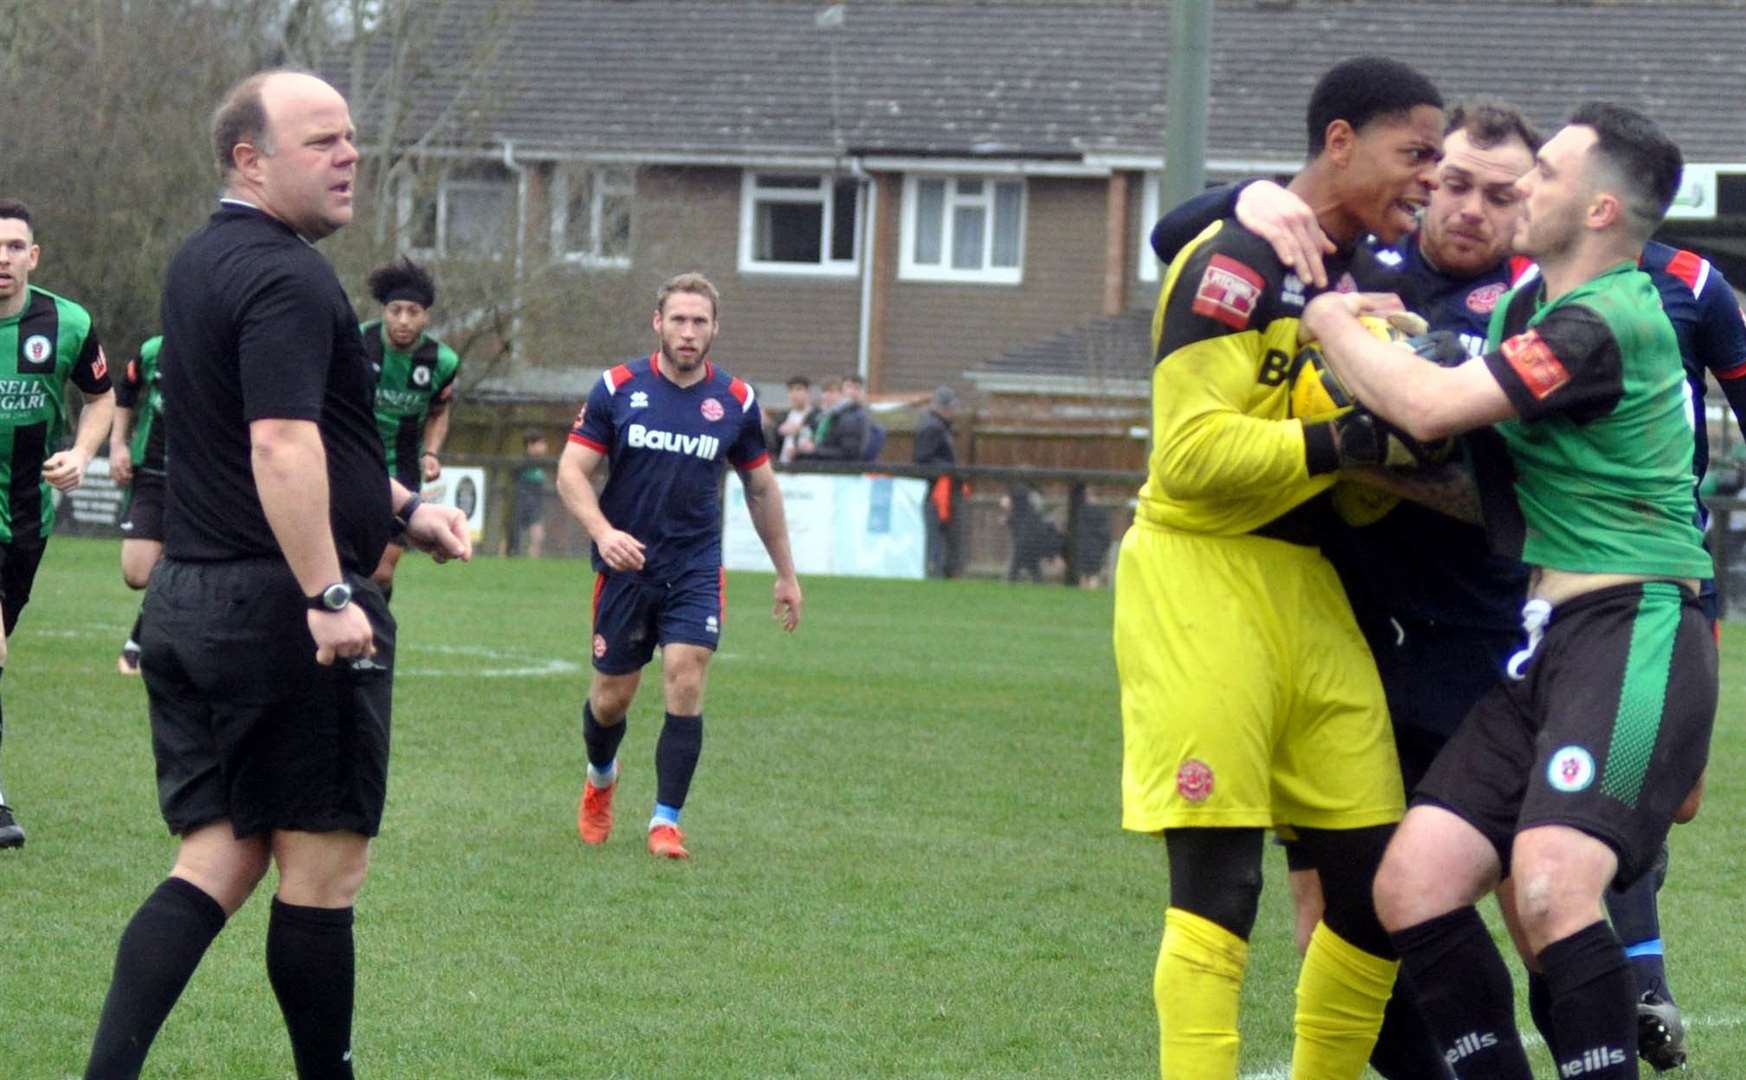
{"x": 1112, "y": 352}
{"x": 1028, "y": 79}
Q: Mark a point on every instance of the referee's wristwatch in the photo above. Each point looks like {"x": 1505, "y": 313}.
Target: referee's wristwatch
{"x": 333, "y": 598}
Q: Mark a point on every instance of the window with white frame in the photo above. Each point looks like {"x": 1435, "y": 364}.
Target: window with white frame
{"x": 963, "y": 228}
{"x": 799, "y": 223}
{"x": 470, "y": 210}
{"x": 591, "y": 214}
{"x": 1150, "y": 185}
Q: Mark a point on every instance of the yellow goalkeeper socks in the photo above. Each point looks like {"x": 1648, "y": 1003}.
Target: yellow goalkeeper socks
{"x": 1341, "y": 992}
{"x": 1197, "y": 986}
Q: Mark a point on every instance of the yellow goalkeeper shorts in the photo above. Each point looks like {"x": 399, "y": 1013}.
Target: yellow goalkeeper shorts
{"x": 1248, "y": 695}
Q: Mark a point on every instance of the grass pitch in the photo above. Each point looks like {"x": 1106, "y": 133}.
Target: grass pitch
{"x": 906, "y": 859}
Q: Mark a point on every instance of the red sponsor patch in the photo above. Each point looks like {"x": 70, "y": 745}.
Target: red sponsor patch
{"x": 1194, "y": 780}
{"x": 1483, "y": 299}
{"x": 1535, "y": 363}
{"x": 599, "y": 646}
{"x": 711, "y": 409}
{"x": 1228, "y": 292}
{"x": 581, "y": 414}
{"x": 100, "y": 366}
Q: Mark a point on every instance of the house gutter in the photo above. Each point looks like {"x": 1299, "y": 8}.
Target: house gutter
{"x": 869, "y": 237}
{"x": 520, "y": 172}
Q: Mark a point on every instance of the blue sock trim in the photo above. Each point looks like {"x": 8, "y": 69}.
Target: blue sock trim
{"x": 1652, "y": 947}
{"x": 669, "y": 814}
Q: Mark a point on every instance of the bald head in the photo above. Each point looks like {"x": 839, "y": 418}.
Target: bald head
{"x": 245, "y": 114}
{"x": 285, "y": 144}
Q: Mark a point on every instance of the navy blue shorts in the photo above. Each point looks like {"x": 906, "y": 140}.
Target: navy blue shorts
{"x": 633, "y": 614}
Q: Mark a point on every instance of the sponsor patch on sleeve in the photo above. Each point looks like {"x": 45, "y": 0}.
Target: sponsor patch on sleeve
{"x": 100, "y": 366}
{"x": 1228, "y": 292}
{"x": 1535, "y": 363}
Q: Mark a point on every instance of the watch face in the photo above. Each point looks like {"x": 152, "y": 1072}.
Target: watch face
{"x": 335, "y": 597}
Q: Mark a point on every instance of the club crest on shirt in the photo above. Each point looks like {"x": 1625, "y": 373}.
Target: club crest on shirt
{"x": 1228, "y": 292}
{"x": 711, "y": 409}
{"x": 1534, "y": 361}
{"x": 1482, "y": 300}
{"x": 1571, "y": 769}
{"x": 421, "y": 376}
{"x": 1194, "y": 780}
{"x": 37, "y": 348}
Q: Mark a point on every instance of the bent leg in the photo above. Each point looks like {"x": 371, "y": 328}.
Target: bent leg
{"x": 166, "y": 939}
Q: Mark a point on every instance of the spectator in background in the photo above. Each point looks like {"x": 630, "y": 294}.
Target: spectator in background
{"x": 841, "y": 432}
{"x": 528, "y": 522}
{"x": 933, "y": 446}
{"x": 802, "y": 417}
{"x": 1036, "y": 543}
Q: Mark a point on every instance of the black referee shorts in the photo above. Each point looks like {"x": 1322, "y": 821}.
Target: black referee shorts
{"x": 246, "y": 726}
{"x": 145, "y": 508}
{"x": 1607, "y": 730}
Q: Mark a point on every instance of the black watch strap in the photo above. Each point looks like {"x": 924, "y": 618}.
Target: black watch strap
{"x": 333, "y": 598}
{"x": 403, "y": 516}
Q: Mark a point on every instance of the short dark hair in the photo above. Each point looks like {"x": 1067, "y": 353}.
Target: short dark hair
{"x": 531, "y": 436}
{"x": 833, "y": 384}
{"x": 851, "y": 377}
{"x": 1647, "y": 162}
{"x": 799, "y": 380}
{"x": 1362, "y": 89}
{"x": 12, "y": 208}
{"x": 1489, "y": 122}
{"x": 241, "y": 117}
{"x": 402, "y": 279}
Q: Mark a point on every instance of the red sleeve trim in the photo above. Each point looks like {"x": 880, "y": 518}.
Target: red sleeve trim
{"x": 1687, "y": 266}
{"x": 618, "y": 376}
{"x": 754, "y": 463}
{"x": 1519, "y": 265}
{"x": 739, "y": 390}
{"x": 1730, "y": 374}
{"x": 589, "y": 443}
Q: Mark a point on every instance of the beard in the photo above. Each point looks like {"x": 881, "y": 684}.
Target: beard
{"x": 680, "y": 363}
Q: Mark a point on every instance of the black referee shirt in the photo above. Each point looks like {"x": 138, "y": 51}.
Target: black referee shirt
{"x": 261, "y": 329}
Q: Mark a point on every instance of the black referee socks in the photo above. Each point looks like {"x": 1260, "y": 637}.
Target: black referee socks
{"x": 312, "y": 966}
{"x": 159, "y": 951}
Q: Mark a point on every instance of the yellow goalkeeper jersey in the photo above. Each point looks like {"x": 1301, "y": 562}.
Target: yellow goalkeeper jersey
{"x": 1228, "y": 458}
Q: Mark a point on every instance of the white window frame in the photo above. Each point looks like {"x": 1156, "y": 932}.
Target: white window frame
{"x": 405, "y": 197}
{"x": 607, "y": 182}
{"x": 752, "y": 194}
{"x": 1151, "y": 186}
{"x": 910, "y": 270}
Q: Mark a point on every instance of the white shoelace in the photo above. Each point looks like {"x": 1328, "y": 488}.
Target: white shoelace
{"x": 1535, "y": 614}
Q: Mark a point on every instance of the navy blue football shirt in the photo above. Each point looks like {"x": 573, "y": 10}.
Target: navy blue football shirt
{"x": 667, "y": 446}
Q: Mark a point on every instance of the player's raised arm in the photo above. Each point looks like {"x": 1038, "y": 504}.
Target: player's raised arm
{"x": 576, "y": 466}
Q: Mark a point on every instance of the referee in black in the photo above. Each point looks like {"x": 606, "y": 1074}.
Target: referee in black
{"x": 267, "y": 652}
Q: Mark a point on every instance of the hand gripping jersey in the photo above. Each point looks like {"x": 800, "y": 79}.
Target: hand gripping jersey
{"x": 408, "y": 386}
{"x": 1602, "y": 444}
{"x": 49, "y": 341}
{"x": 138, "y": 390}
{"x": 667, "y": 446}
{"x": 1228, "y": 457}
